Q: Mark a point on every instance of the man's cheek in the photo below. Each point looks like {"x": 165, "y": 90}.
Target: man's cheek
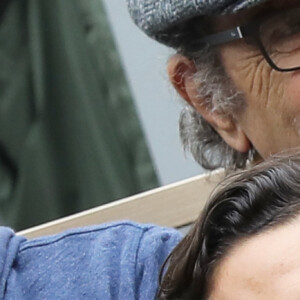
{"x": 291, "y": 102}
{"x": 293, "y": 92}
{"x": 256, "y": 78}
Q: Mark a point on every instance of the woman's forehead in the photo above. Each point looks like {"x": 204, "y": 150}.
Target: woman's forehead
{"x": 262, "y": 265}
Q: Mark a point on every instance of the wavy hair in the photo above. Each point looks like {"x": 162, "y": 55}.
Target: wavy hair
{"x": 245, "y": 204}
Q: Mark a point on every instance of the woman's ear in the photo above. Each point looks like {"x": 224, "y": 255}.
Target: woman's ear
{"x": 181, "y": 72}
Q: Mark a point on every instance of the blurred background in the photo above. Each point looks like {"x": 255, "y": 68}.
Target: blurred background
{"x": 87, "y": 115}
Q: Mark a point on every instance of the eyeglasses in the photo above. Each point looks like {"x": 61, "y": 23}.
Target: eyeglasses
{"x": 277, "y": 36}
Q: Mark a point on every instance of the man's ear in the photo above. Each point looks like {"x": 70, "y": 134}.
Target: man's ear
{"x": 181, "y": 72}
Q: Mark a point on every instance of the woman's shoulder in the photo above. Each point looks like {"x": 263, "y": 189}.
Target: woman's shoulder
{"x": 92, "y": 259}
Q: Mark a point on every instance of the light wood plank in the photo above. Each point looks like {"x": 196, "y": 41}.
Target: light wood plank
{"x": 174, "y": 205}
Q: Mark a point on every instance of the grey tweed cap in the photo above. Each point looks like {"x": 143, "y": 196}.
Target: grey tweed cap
{"x": 156, "y": 17}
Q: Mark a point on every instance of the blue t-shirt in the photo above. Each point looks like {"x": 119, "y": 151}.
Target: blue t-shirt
{"x": 112, "y": 261}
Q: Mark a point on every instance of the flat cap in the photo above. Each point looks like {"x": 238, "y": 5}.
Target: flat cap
{"x": 156, "y": 17}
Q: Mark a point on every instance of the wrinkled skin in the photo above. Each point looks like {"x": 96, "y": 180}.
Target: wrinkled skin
{"x": 271, "y": 118}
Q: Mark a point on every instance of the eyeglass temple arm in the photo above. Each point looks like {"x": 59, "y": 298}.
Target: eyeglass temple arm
{"x": 223, "y": 37}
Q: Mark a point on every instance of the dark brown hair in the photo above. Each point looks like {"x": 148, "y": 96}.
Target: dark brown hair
{"x": 243, "y": 205}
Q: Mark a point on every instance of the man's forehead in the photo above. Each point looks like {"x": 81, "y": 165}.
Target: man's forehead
{"x": 261, "y": 266}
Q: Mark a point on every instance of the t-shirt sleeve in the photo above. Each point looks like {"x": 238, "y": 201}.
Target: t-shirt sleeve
{"x": 120, "y": 260}
{"x": 155, "y": 246}
{"x": 9, "y": 246}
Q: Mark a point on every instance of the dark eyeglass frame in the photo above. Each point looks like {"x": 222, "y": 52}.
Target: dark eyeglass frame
{"x": 250, "y": 30}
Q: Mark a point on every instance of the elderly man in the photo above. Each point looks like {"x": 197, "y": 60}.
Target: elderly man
{"x": 236, "y": 67}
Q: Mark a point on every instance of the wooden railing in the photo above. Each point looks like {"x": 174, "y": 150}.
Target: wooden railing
{"x": 173, "y": 205}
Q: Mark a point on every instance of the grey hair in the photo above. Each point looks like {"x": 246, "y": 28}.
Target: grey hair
{"x": 220, "y": 94}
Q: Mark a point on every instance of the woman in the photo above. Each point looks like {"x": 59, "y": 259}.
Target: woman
{"x": 245, "y": 245}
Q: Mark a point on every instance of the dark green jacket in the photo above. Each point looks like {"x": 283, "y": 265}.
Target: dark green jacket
{"x": 69, "y": 135}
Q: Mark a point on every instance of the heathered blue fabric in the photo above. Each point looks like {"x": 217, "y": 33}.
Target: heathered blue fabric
{"x": 112, "y": 261}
